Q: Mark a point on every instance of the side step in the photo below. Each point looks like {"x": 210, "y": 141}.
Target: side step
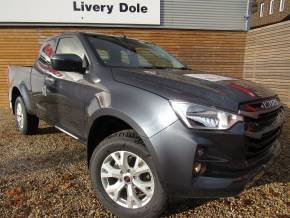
{"x": 66, "y": 132}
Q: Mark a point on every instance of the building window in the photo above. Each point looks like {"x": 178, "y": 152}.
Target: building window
{"x": 262, "y": 5}
{"x": 282, "y": 5}
{"x": 271, "y": 10}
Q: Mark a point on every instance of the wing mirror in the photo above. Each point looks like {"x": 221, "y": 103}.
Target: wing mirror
{"x": 67, "y": 62}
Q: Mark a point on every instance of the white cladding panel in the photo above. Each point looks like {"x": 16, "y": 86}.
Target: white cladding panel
{"x": 179, "y": 14}
{"x": 81, "y": 11}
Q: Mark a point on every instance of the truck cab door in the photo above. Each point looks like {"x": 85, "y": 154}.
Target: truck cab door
{"x": 65, "y": 101}
{"x": 38, "y": 74}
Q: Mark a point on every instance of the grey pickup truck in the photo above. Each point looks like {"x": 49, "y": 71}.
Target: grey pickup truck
{"x": 153, "y": 128}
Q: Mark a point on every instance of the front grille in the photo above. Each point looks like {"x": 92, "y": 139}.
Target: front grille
{"x": 264, "y": 120}
{"x": 262, "y": 132}
{"x": 256, "y": 147}
{"x": 269, "y": 116}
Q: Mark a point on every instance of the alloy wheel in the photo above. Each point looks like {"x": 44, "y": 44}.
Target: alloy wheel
{"x": 127, "y": 179}
{"x": 19, "y": 115}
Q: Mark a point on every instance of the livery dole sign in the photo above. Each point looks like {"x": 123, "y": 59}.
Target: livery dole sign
{"x": 146, "y": 12}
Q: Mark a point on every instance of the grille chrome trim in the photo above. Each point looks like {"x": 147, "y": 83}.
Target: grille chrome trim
{"x": 262, "y": 129}
{"x": 256, "y": 114}
{"x": 279, "y": 120}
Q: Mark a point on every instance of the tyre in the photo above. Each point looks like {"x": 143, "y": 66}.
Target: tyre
{"x": 124, "y": 177}
{"x": 25, "y": 122}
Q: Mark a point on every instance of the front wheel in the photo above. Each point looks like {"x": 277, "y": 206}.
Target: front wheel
{"x": 124, "y": 177}
{"x": 25, "y": 122}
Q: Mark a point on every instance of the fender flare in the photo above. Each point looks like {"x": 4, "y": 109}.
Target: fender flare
{"x": 26, "y": 97}
{"x": 135, "y": 126}
{"x": 102, "y": 112}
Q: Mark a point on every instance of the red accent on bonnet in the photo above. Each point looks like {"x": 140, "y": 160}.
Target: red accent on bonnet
{"x": 243, "y": 89}
{"x": 250, "y": 108}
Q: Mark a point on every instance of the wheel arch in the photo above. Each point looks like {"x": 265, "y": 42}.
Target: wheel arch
{"x": 15, "y": 93}
{"x": 22, "y": 91}
{"x": 107, "y": 122}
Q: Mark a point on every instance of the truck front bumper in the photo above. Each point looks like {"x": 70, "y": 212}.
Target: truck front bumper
{"x": 211, "y": 187}
{"x": 227, "y": 171}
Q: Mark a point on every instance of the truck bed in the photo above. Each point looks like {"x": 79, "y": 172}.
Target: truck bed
{"x": 18, "y": 75}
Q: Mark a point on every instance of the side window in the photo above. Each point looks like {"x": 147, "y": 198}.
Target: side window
{"x": 271, "y": 10}
{"x": 282, "y": 5}
{"x": 47, "y": 51}
{"x": 262, "y": 5}
{"x": 70, "y": 46}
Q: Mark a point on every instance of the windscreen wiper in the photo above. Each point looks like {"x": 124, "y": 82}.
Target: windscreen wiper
{"x": 183, "y": 68}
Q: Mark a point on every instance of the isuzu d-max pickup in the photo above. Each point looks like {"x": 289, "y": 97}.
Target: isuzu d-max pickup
{"x": 153, "y": 128}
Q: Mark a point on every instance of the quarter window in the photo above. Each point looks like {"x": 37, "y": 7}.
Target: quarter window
{"x": 262, "y": 5}
{"x": 271, "y": 10}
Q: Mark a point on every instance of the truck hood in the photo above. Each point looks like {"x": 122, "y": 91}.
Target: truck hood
{"x": 191, "y": 86}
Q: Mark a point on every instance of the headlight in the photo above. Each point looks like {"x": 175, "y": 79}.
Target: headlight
{"x": 202, "y": 117}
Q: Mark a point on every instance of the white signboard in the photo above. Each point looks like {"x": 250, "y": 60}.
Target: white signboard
{"x": 81, "y": 11}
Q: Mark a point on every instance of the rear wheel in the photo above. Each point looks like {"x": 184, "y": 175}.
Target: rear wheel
{"x": 25, "y": 122}
{"x": 125, "y": 179}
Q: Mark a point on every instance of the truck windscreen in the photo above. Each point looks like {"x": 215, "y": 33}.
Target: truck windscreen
{"x": 124, "y": 52}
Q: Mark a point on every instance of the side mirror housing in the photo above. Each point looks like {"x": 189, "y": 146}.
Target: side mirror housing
{"x": 67, "y": 62}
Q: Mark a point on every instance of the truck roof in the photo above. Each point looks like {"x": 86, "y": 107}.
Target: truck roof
{"x": 91, "y": 33}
